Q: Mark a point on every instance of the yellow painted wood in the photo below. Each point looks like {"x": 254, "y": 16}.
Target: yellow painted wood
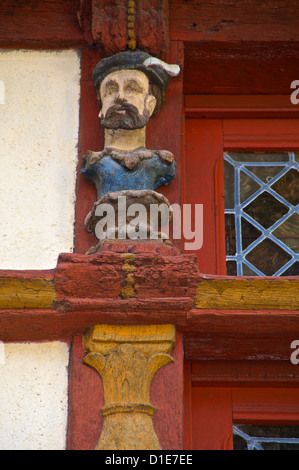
{"x": 128, "y": 290}
{"x": 248, "y": 294}
{"x": 149, "y": 339}
{"x": 127, "y": 358}
{"x": 26, "y": 293}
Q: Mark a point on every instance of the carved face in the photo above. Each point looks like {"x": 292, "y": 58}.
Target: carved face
{"x": 126, "y": 100}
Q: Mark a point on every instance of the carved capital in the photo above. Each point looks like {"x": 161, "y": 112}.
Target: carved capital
{"x": 127, "y": 358}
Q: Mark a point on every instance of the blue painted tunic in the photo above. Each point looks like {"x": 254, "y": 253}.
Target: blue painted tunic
{"x": 109, "y": 174}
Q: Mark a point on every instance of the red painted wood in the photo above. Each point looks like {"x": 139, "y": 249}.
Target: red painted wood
{"x": 109, "y": 25}
{"x": 235, "y": 67}
{"x": 100, "y": 277}
{"x": 91, "y": 138}
{"x": 210, "y": 335}
{"x": 204, "y": 180}
{"x": 215, "y": 20}
{"x": 240, "y": 106}
{"x": 266, "y": 405}
{"x": 211, "y": 418}
{"x": 243, "y": 348}
{"x": 86, "y": 400}
{"x": 164, "y": 132}
{"x": 242, "y": 373}
{"x": 40, "y": 24}
{"x": 188, "y": 405}
{"x": 160, "y": 135}
{"x": 206, "y": 141}
{"x": 152, "y": 26}
{"x": 216, "y": 409}
{"x": 30, "y": 274}
{"x": 261, "y": 134}
{"x": 241, "y": 335}
{"x": 167, "y": 393}
{"x": 110, "y": 30}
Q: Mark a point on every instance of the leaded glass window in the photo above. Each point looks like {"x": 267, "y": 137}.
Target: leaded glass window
{"x": 253, "y": 437}
{"x": 262, "y": 213}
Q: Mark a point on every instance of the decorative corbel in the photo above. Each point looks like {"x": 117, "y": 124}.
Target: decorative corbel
{"x": 118, "y": 25}
{"x": 127, "y": 358}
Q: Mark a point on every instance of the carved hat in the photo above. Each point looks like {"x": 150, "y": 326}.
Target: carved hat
{"x": 158, "y": 72}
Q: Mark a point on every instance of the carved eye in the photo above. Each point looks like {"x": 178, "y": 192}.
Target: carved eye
{"x": 111, "y": 89}
{"x": 133, "y": 87}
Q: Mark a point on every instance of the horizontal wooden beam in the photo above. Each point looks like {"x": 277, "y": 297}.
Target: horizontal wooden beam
{"x": 248, "y": 294}
{"x": 50, "y": 24}
{"x": 206, "y": 20}
{"x": 219, "y": 317}
{"x": 239, "y": 106}
{"x": 26, "y": 293}
{"x": 236, "y": 373}
{"x": 240, "y": 67}
{"x": 261, "y": 134}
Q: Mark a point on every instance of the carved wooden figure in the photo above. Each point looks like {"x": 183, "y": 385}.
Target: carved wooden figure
{"x": 127, "y": 358}
{"x": 130, "y": 87}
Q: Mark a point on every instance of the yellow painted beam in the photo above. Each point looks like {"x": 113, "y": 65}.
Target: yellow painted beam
{"x": 26, "y": 293}
{"x": 248, "y": 294}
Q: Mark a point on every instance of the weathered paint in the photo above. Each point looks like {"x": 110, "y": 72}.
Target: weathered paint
{"x": 127, "y": 358}
{"x": 251, "y": 294}
{"x": 26, "y": 293}
{"x": 110, "y": 175}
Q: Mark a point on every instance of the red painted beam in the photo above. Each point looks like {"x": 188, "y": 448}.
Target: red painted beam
{"x": 40, "y": 24}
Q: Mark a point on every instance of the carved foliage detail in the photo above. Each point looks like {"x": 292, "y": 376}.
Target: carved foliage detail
{"x": 127, "y": 362}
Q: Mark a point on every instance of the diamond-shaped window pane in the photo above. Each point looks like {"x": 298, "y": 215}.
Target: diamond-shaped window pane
{"x": 247, "y": 187}
{"x": 265, "y": 437}
{"x": 249, "y": 234}
{"x": 293, "y": 270}
{"x": 231, "y": 268}
{"x": 266, "y": 210}
{"x": 288, "y": 232}
{"x": 257, "y": 198}
{"x": 230, "y": 234}
{"x": 288, "y": 187}
{"x": 268, "y": 257}
{"x": 265, "y": 173}
{"x": 229, "y": 186}
{"x": 247, "y": 271}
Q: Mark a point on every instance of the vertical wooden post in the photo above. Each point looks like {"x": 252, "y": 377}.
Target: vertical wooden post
{"x": 86, "y": 399}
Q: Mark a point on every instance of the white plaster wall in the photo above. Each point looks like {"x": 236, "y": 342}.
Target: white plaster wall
{"x": 33, "y": 396}
{"x": 38, "y": 156}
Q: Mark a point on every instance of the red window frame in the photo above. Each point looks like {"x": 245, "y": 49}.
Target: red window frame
{"x": 221, "y": 393}
{"x": 250, "y": 123}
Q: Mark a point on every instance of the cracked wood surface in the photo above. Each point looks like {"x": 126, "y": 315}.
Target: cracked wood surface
{"x": 246, "y": 293}
{"x": 26, "y": 293}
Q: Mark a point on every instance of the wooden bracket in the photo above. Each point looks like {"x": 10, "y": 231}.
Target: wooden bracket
{"x": 127, "y": 358}
{"x": 118, "y": 25}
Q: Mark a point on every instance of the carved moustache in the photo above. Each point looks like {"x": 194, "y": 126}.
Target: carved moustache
{"x": 125, "y": 116}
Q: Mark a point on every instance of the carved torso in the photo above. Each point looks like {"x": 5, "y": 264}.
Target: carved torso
{"x": 112, "y": 170}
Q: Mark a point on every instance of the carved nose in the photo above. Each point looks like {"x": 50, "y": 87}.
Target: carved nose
{"x": 120, "y": 99}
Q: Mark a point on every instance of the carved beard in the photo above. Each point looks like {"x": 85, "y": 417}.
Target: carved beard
{"x": 125, "y": 116}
